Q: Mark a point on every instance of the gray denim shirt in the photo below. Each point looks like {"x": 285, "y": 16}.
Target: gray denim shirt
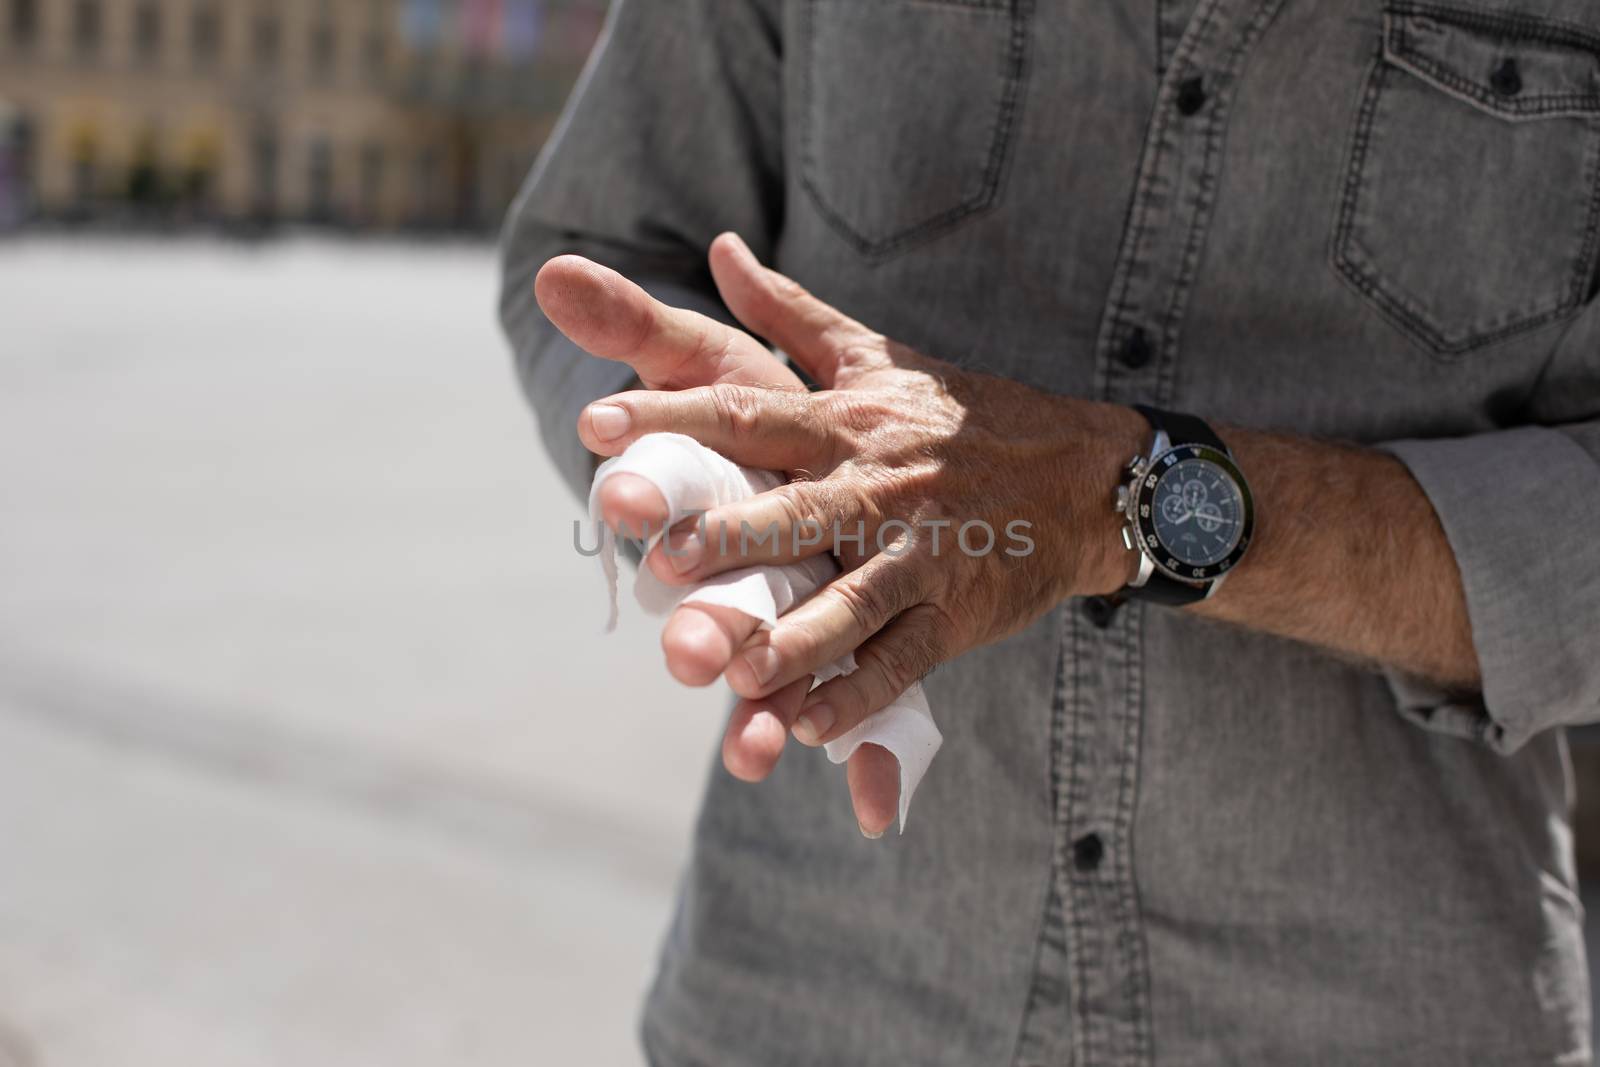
{"x": 1149, "y": 838}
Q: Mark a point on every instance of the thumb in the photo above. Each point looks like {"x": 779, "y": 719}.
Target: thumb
{"x": 609, "y": 316}
{"x": 814, "y": 334}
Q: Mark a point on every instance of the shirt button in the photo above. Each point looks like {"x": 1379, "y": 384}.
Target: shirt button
{"x": 1191, "y": 96}
{"x": 1100, "y": 610}
{"x": 1136, "y": 350}
{"x": 1507, "y": 78}
{"x": 1087, "y": 852}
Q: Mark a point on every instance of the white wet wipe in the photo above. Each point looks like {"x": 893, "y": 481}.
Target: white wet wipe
{"x": 694, "y": 479}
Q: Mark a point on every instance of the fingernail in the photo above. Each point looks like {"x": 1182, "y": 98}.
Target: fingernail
{"x": 868, "y": 834}
{"x": 608, "y": 421}
{"x": 685, "y": 555}
{"x": 763, "y": 663}
{"x": 812, "y": 724}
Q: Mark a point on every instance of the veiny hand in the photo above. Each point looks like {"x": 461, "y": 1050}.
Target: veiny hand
{"x": 894, "y": 437}
{"x": 672, "y": 348}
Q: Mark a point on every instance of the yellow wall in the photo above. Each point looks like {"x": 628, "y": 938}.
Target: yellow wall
{"x": 114, "y": 106}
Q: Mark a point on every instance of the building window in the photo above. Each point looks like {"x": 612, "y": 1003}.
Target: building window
{"x": 86, "y": 27}
{"x": 264, "y": 174}
{"x": 375, "y": 54}
{"x": 144, "y": 188}
{"x": 198, "y": 183}
{"x": 372, "y": 181}
{"x": 266, "y": 42}
{"x": 324, "y": 49}
{"x": 425, "y": 186}
{"x": 24, "y": 22}
{"x": 319, "y": 181}
{"x": 16, "y": 171}
{"x": 205, "y": 36}
{"x": 147, "y": 32}
{"x": 85, "y": 174}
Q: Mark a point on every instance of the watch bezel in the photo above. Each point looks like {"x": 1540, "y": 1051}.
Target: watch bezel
{"x": 1143, "y": 514}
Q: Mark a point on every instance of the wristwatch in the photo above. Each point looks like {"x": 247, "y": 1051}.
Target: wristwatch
{"x": 1188, "y": 509}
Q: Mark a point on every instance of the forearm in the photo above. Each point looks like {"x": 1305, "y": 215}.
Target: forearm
{"x": 1348, "y": 555}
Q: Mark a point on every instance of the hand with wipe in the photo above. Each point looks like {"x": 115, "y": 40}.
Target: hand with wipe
{"x": 669, "y": 348}
{"x": 960, "y": 506}
{"x": 691, "y": 479}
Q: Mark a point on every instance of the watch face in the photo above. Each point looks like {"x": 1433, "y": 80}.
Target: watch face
{"x": 1199, "y": 512}
{"x": 1194, "y": 513}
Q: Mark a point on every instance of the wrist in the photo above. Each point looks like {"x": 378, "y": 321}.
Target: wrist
{"x": 1111, "y": 435}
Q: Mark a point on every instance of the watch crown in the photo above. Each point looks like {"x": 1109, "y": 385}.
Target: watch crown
{"x": 1135, "y": 463}
{"x": 1122, "y": 499}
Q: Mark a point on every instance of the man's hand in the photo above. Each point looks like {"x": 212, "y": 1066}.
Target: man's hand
{"x": 979, "y": 503}
{"x": 671, "y": 348}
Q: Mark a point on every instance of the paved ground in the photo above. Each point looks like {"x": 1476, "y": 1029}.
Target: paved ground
{"x": 309, "y": 749}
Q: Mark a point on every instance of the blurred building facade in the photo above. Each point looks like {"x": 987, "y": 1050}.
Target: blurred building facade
{"x": 378, "y": 114}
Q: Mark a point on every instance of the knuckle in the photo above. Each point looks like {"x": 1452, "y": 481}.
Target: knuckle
{"x": 791, "y": 508}
{"x": 901, "y": 584}
{"x": 787, "y": 289}
{"x": 860, "y": 349}
{"x": 853, "y": 694}
{"x": 899, "y": 660}
{"x": 940, "y": 632}
{"x": 736, "y": 411}
{"x": 801, "y": 645}
{"x": 854, "y": 412}
{"x": 829, "y": 409}
{"x": 866, "y": 603}
{"x": 875, "y": 595}
{"x": 817, "y": 420}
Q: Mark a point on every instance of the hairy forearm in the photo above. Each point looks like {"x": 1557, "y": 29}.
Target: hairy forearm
{"x": 1348, "y": 555}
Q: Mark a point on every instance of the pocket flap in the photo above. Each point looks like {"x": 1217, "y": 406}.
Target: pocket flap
{"x": 1512, "y": 65}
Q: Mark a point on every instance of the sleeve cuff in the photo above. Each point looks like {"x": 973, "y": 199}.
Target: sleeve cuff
{"x": 1521, "y": 510}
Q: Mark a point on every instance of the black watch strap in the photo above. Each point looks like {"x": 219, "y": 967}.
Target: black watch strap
{"x": 1181, "y": 429}
{"x": 1162, "y": 589}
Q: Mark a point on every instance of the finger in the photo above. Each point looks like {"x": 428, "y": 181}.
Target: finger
{"x": 792, "y": 522}
{"x": 774, "y": 429}
{"x": 609, "y": 316}
{"x": 632, "y": 505}
{"x": 874, "y": 778}
{"x": 837, "y": 620}
{"x": 699, "y": 641}
{"x": 886, "y": 666}
{"x": 814, "y": 334}
{"x": 757, "y": 731}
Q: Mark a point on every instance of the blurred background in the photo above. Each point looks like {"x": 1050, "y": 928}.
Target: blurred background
{"x": 246, "y": 114}
{"x": 310, "y": 748}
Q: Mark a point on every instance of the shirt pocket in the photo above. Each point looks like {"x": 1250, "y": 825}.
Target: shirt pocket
{"x": 1469, "y": 208}
{"x": 906, "y": 113}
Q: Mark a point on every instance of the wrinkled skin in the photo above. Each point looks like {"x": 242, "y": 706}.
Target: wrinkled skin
{"x": 893, "y": 436}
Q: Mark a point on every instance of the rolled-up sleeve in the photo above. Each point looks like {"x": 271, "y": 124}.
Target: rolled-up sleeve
{"x": 1521, "y": 510}
{"x": 673, "y": 135}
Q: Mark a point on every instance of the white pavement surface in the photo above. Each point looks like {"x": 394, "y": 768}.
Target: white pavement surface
{"x": 310, "y": 751}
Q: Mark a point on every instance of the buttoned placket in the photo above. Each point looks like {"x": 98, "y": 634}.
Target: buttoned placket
{"x": 1090, "y": 999}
